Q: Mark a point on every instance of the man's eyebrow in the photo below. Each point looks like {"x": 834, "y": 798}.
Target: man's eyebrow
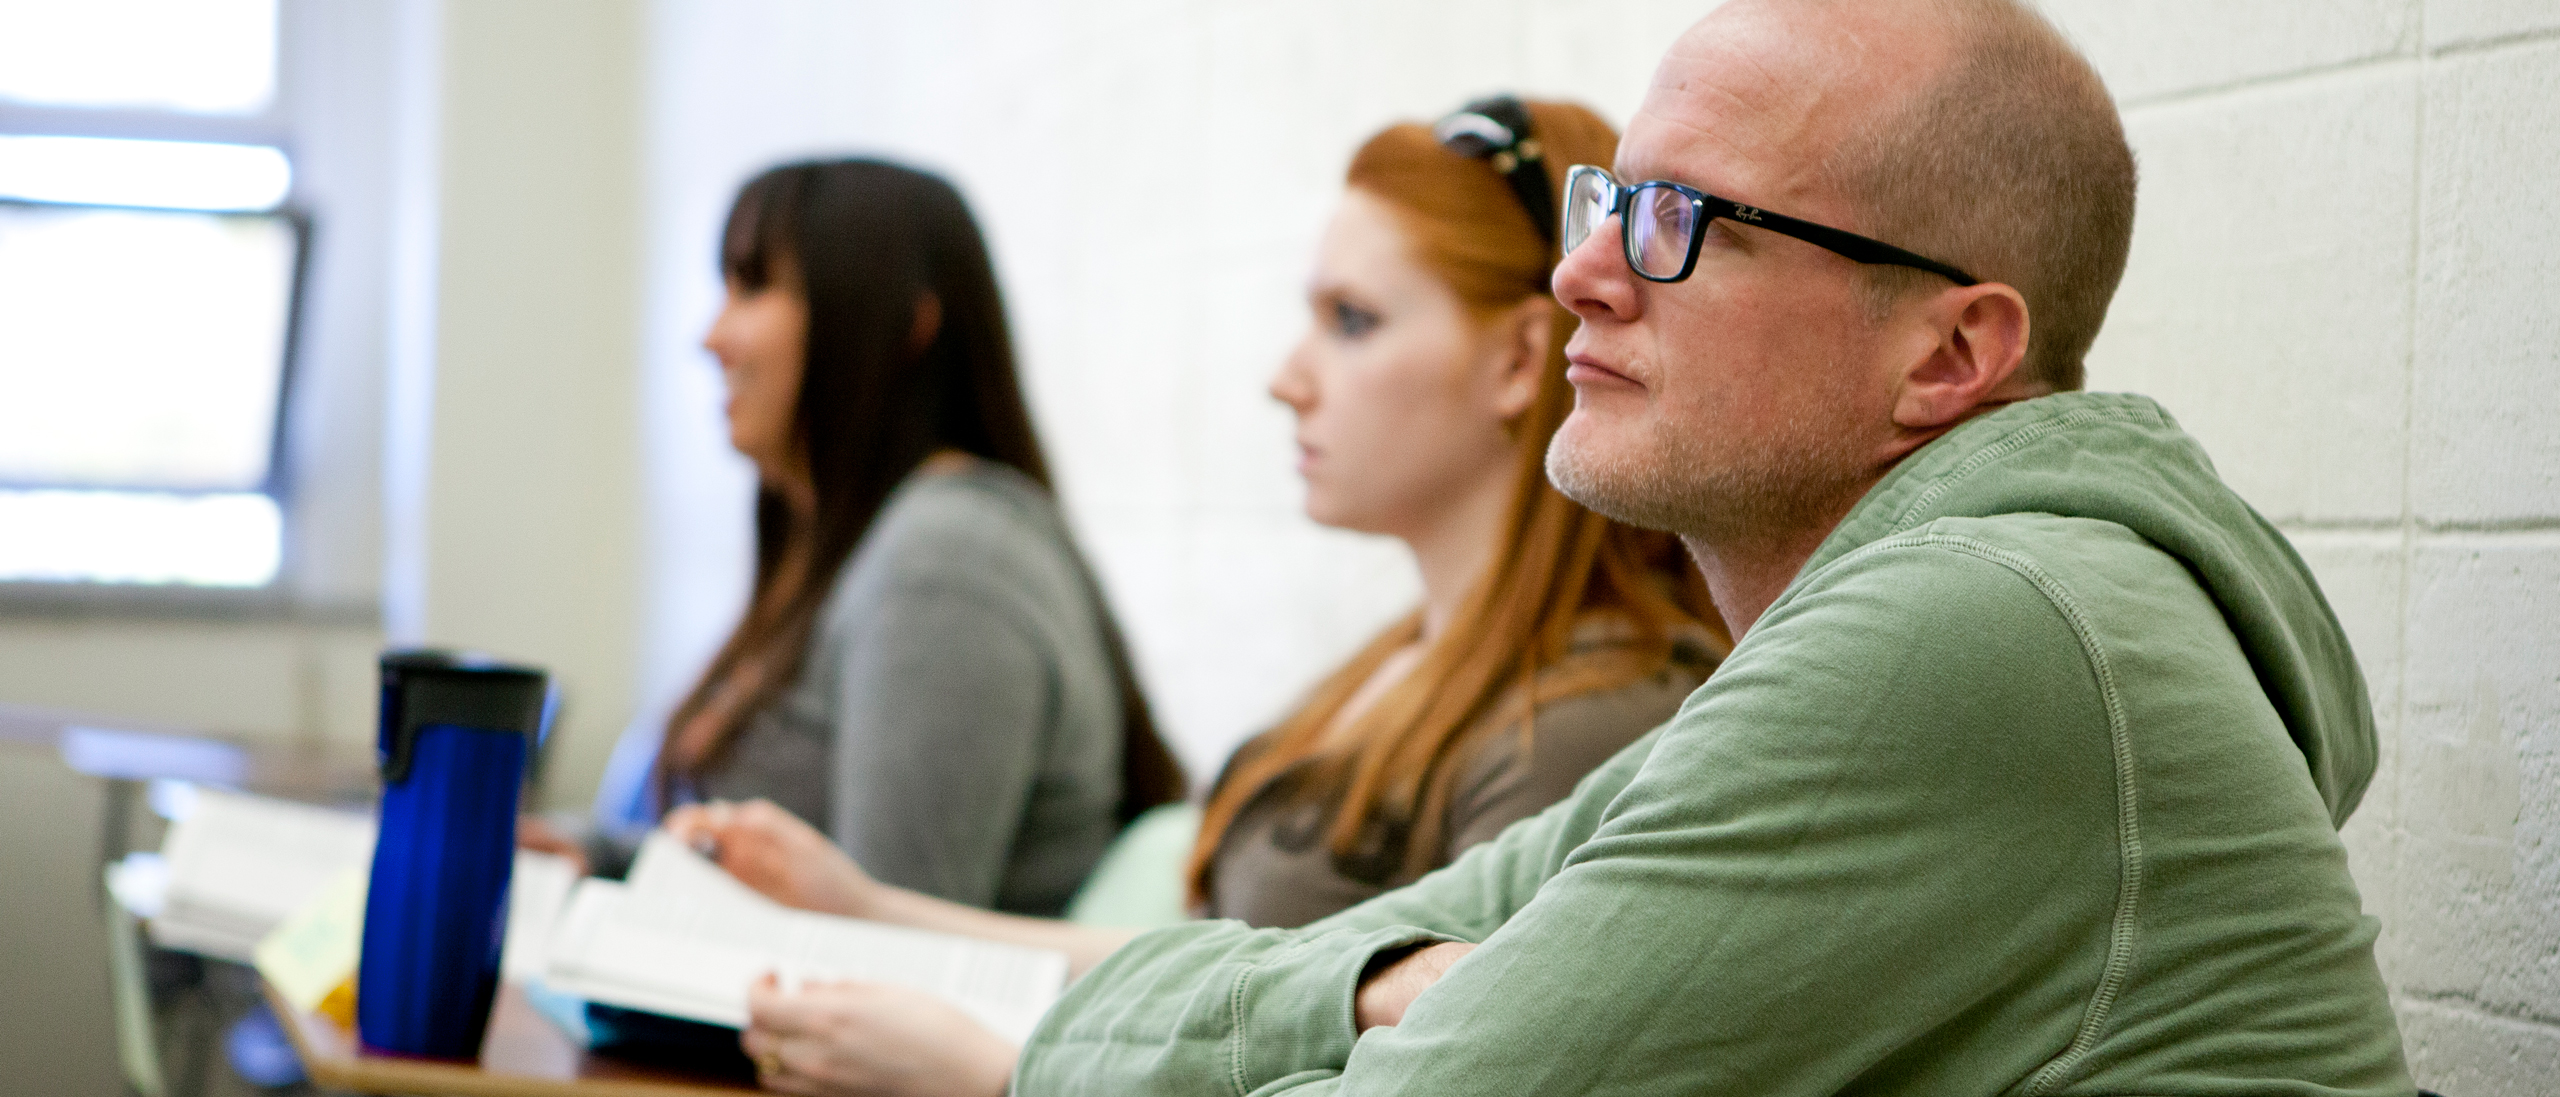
{"x": 1646, "y": 172}
{"x": 1647, "y": 167}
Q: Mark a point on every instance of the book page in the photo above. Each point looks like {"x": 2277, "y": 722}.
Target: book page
{"x": 536, "y": 894}
{"x": 239, "y": 865}
{"x": 685, "y": 939}
{"x": 595, "y": 957}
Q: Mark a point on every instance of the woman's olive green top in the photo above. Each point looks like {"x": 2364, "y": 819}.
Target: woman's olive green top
{"x": 1275, "y": 868}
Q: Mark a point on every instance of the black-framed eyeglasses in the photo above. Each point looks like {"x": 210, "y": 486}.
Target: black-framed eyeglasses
{"x": 1662, "y": 224}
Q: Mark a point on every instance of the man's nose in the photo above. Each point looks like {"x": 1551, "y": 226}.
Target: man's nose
{"x": 1594, "y": 281}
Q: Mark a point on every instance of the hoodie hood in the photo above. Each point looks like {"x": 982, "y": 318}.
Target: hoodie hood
{"x": 2120, "y": 458}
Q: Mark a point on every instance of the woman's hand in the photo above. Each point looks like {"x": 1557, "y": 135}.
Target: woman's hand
{"x": 870, "y": 1040}
{"x": 541, "y": 837}
{"x": 772, "y": 851}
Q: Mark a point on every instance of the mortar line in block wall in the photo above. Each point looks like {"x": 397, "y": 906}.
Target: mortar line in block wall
{"x": 2408, "y": 444}
{"x": 2488, "y": 525}
{"x": 2495, "y": 42}
{"x": 2464, "y": 1003}
{"x": 2411, "y": 525}
{"x": 2344, "y": 525}
{"x": 2266, "y": 80}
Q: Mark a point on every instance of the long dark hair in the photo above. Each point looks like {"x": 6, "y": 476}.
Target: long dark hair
{"x": 870, "y": 241}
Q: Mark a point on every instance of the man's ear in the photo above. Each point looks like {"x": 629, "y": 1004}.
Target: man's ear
{"x": 1523, "y": 333}
{"x": 1981, "y": 339}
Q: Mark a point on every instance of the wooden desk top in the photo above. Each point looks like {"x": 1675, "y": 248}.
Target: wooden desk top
{"x": 523, "y": 1056}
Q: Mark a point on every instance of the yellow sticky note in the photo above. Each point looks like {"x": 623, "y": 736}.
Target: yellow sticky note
{"x": 340, "y": 1005}
{"x": 313, "y": 952}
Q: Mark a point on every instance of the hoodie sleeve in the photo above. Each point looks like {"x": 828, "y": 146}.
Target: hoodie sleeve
{"x": 1219, "y": 1007}
{"x": 1892, "y": 811}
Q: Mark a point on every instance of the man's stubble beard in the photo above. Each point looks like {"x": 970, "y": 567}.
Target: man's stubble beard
{"x": 1710, "y": 490}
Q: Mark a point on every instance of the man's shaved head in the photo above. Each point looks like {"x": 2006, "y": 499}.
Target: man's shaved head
{"x": 2010, "y": 163}
{"x": 1969, "y": 131}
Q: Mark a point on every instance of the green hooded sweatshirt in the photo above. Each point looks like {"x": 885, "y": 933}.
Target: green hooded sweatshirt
{"x": 2029, "y": 783}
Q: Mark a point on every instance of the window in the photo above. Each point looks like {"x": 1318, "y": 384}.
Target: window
{"x": 198, "y": 56}
{"x": 148, "y": 274}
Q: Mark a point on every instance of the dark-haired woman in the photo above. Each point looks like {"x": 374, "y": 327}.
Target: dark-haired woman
{"x": 926, "y": 667}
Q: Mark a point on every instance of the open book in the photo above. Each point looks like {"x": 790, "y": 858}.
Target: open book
{"x": 237, "y": 865}
{"x": 681, "y": 937}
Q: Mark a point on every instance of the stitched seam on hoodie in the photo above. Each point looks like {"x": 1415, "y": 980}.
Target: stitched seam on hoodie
{"x": 2120, "y": 942}
{"x": 2011, "y": 443}
{"x": 1235, "y": 1009}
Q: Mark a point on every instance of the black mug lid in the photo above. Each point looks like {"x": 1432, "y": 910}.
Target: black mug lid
{"x": 423, "y": 687}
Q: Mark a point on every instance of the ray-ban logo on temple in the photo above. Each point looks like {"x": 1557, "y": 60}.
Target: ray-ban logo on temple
{"x": 1662, "y": 223}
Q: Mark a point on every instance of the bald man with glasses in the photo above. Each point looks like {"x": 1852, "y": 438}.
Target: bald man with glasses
{"x": 2025, "y": 772}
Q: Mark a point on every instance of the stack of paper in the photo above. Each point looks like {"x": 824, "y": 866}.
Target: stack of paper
{"x": 237, "y": 866}
{"x": 684, "y": 939}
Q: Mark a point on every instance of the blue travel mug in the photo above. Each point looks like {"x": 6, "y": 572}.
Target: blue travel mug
{"x": 456, "y": 733}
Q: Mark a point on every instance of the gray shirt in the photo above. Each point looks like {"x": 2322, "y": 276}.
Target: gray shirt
{"x": 956, "y": 725}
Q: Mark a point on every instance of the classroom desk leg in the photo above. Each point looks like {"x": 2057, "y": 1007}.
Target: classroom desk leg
{"x": 137, "y": 1046}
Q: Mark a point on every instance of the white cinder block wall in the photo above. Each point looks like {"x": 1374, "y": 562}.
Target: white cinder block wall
{"x": 2346, "y": 281}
